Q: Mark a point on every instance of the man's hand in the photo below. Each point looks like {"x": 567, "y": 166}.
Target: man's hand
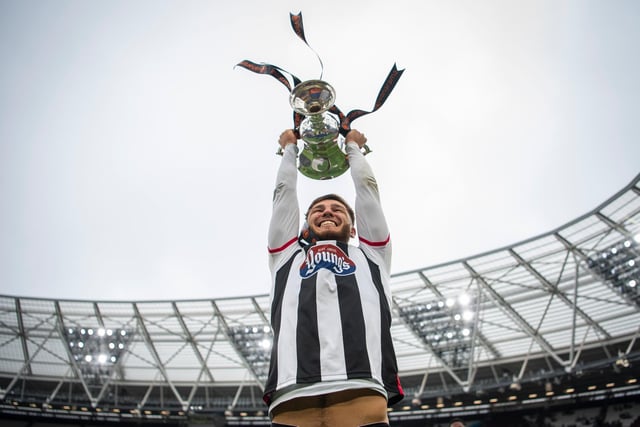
{"x": 356, "y": 137}
{"x": 287, "y": 137}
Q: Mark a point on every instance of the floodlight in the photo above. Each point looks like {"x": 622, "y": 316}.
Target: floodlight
{"x": 254, "y": 345}
{"x": 444, "y": 326}
{"x": 95, "y": 350}
{"x": 464, "y": 299}
{"x": 618, "y": 266}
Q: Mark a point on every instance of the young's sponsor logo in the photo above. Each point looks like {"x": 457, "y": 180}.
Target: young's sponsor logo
{"x": 326, "y": 256}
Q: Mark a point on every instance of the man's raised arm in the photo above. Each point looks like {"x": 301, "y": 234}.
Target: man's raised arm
{"x": 285, "y": 216}
{"x": 370, "y": 221}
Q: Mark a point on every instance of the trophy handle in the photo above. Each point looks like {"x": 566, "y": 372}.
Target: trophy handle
{"x": 365, "y": 148}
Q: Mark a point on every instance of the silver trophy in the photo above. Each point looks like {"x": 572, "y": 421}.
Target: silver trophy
{"x": 322, "y": 156}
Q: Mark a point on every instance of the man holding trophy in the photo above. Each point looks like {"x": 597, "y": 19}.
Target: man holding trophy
{"x": 332, "y": 361}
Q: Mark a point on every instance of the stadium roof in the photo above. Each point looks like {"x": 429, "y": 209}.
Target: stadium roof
{"x": 557, "y": 307}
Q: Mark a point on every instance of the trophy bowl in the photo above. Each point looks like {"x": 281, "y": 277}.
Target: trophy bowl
{"x": 312, "y": 97}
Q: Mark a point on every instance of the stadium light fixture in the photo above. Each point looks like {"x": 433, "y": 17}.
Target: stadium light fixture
{"x": 445, "y": 325}
{"x": 96, "y": 350}
{"x": 619, "y": 267}
{"x": 254, "y": 344}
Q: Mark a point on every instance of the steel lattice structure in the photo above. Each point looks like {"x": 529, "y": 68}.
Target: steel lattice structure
{"x": 557, "y": 310}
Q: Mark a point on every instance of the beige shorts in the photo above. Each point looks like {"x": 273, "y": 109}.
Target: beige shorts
{"x": 349, "y": 408}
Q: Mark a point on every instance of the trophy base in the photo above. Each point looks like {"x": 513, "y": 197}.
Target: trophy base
{"x": 327, "y": 161}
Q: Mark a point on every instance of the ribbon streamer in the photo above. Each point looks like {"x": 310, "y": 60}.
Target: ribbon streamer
{"x": 298, "y": 28}
{"x": 290, "y": 81}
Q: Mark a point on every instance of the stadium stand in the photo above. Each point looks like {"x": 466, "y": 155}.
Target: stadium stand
{"x": 543, "y": 332}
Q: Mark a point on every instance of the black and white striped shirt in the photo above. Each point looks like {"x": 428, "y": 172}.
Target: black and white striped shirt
{"x": 330, "y": 308}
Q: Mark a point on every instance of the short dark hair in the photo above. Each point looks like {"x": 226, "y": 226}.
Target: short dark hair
{"x": 332, "y": 196}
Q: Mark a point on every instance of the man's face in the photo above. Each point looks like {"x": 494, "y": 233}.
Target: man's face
{"x": 330, "y": 220}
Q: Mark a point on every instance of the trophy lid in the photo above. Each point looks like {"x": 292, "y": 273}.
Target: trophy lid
{"x": 312, "y": 97}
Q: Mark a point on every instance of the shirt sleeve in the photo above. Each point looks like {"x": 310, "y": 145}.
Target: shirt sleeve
{"x": 285, "y": 215}
{"x": 370, "y": 220}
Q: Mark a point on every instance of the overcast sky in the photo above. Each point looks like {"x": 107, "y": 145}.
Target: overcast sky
{"x": 137, "y": 164}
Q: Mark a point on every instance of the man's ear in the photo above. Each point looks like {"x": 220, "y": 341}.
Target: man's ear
{"x": 353, "y": 232}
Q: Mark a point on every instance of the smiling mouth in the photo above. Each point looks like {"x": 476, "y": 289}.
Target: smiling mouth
{"x": 323, "y": 223}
